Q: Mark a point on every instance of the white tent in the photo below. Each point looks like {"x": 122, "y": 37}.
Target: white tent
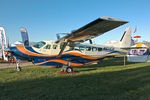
{"x": 139, "y": 45}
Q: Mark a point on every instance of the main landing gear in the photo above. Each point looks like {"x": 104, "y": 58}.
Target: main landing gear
{"x": 67, "y": 69}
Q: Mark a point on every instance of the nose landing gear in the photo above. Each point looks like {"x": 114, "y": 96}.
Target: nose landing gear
{"x": 18, "y": 65}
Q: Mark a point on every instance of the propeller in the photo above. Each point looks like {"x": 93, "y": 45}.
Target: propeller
{"x": 58, "y": 35}
{"x": 8, "y": 43}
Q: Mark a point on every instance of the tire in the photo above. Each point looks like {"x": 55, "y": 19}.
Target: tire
{"x": 69, "y": 69}
{"x": 19, "y": 68}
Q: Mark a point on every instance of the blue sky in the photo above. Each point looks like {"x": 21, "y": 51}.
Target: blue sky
{"x": 45, "y": 18}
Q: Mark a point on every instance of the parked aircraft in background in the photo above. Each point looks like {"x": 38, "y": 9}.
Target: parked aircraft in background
{"x": 125, "y": 41}
{"x": 64, "y": 50}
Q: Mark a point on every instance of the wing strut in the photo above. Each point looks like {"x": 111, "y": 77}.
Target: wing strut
{"x": 63, "y": 48}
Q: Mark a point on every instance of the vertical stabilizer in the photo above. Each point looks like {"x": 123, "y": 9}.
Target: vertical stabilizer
{"x": 126, "y": 40}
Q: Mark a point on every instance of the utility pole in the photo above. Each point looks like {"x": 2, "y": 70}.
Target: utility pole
{"x": 124, "y": 60}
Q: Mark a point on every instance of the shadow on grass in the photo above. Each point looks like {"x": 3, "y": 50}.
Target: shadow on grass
{"x": 84, "y": 69}
{"x": 131, "y": 84}
{"x": 117, "y": 61}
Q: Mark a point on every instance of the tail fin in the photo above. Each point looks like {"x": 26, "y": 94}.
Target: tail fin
{"x": 126, "y": 40}
{"x": 3, "y": 42}
{"x": 25, "y": 38}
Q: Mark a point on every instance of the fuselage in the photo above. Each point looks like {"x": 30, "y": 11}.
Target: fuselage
{"x": 46, "y": 53}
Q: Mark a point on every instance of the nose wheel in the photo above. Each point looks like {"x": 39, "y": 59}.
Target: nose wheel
{"x": 18, "y": 68}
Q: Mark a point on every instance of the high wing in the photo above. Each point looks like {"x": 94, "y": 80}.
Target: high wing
{"x": 93, "y": 29}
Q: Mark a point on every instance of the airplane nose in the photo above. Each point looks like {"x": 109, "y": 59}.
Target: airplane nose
{"x": 7, "y": 49}
{"x": 13, "y": 49}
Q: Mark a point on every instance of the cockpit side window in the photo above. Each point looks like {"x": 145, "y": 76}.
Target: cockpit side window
{"x": 54, "y": 46}
{"x": 47, "y": 47}
{"x": 82, "y": 48}
{"x": 71, "y": 48}
{"x": 39, "y": 44}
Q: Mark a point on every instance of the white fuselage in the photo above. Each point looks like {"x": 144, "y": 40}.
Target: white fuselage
{"x": 50, "y": 48}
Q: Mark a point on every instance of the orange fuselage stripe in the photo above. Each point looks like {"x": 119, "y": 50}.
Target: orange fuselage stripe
{"x": 27, "y": 52}
{"x": 61, "y": 61}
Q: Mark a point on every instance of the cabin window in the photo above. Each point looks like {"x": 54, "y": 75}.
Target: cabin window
{"x": 54, "y": 46}
{"x": 47, "y": 46}
{"x": 94, "y": 49}
{"x": 88, "y": 48}
{"x": 82, "y": 48}
{"x": 99, "y": 49}
{"x": 106, "y": 48}
{"x": 39, "y": 44}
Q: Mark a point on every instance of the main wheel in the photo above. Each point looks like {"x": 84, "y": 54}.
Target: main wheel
{"x": 69, "y": 69}
{"x": 19, "y": 68}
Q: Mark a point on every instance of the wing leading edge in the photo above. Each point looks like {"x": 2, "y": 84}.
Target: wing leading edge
{"x": 93, "y": 29}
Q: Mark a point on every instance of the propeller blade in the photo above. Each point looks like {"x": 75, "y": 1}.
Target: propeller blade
{"x": 58, "y": 36}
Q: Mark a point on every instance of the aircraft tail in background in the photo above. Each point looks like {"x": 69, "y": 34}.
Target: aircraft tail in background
{"x": 126, "y": 40}
{"x": 25, "y": 38}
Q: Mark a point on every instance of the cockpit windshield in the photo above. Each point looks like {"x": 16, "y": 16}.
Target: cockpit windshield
{"x": 39, "y": 44}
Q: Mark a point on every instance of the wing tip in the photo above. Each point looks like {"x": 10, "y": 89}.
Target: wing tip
{"x": 112, "y": 19}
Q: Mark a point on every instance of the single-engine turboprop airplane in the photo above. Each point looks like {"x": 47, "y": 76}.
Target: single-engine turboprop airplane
{"x": 62, "y": 52}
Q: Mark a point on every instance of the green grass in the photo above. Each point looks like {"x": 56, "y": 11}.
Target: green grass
{"x": 109, "y": 80}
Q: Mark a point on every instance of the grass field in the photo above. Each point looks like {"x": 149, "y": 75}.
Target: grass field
{"x": 109, "y": 80}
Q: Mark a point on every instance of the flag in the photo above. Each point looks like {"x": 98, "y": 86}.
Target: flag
{"x": 135, "y": 30}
